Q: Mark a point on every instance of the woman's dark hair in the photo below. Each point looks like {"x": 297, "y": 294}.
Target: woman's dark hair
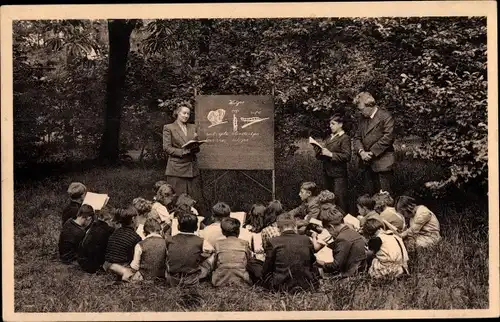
{"x": 230, "y": 227}
{"x": 188, "y": 223}
{"x": 255, "y": 217}
{"x": 366, "y": 201}
{"x": 273, "y": 210}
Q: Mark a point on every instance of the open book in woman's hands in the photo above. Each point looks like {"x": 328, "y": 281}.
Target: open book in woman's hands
{"x": 192, "y": 144}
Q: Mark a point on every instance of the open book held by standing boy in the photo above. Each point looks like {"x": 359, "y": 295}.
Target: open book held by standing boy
{"x": 315, "y": 144}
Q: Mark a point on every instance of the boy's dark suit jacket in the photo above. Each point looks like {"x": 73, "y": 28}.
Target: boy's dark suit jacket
{"x": 376, "y": 135}
{"x": 336, "y": 166}
{"x": 179, "y": 165}
{"x": 289, "y": 262}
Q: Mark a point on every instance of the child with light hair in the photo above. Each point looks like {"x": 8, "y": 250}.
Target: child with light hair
{"x": 164, "y": 203}
{"x": 143, "y": 207}
{"x": 76, "y": 192}
{"x": 158, "y": 184}
{"x": 150, "y": 254}
{"x": 384, "y": 206}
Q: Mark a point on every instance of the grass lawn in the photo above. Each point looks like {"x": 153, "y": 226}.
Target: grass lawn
{"x": 453, "y": 276}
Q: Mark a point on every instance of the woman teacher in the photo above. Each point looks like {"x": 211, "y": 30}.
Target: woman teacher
{"x": 335, "y": 155}
{"x": 182, "y": 166}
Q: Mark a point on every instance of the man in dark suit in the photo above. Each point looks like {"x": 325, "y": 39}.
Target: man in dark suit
{"x": 374, "y": 144}
{"x": 289, "y": 264}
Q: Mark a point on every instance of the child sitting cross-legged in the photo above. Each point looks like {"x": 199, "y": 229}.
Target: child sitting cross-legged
{"x": 188, "y": 255}
{"x": 386, "y": 251}
{"x": 289, "y": 264}
{"x": 150, "y": 254}
{"x": 423, "y": 229}
{"x": 92, "y": 249}
{"x": 254, "y": 223}
{"x": 273, "y": 210}
{"x": 231, "y": 256}
{"x": 309, "y": 208}
{"x": 212, "y": 233}
{"x": 121, "y": 244}
{"x": 72, "y": 233}
{"x": 347, "y": 245}
{"x": 183, "y": 204}
{"x": 76, "y": 193}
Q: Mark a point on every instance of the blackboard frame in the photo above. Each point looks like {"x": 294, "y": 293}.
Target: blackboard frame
{"x": 236, "y": 140}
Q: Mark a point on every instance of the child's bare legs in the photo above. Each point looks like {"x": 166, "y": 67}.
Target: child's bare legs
{"x": 124, "y": 272}
{"x": 207, "y": 267}
{"x": 137, "y": 277}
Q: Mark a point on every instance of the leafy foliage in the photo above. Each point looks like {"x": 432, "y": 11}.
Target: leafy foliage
{"x": 429, "y": 72}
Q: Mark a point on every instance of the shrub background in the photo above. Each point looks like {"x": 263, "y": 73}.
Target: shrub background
{"x": 430, "y": 72}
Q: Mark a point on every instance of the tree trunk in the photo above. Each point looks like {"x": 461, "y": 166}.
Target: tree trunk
{"x": 119, "y": 46}
{"x": 204, "y": 39}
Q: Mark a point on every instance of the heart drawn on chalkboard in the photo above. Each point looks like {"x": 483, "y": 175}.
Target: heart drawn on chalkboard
{"x": 216, "y": 117}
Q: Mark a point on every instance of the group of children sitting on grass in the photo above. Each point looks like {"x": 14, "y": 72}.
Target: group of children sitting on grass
{"x": 282, "y": 251}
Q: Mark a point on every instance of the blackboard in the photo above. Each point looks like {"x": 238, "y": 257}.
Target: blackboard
{"x": 239, "y": 130}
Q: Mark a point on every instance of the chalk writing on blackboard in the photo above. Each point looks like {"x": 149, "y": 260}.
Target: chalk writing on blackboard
{"x": 232, "y": 146}
{"x": 235, "y": 123}
{"x": 252, "y": 120}
{"x": 236, "y": 102}
{"x": 216, "y": 117}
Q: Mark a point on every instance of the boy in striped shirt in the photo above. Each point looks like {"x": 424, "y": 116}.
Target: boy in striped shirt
{"x": 121, "y": 244}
